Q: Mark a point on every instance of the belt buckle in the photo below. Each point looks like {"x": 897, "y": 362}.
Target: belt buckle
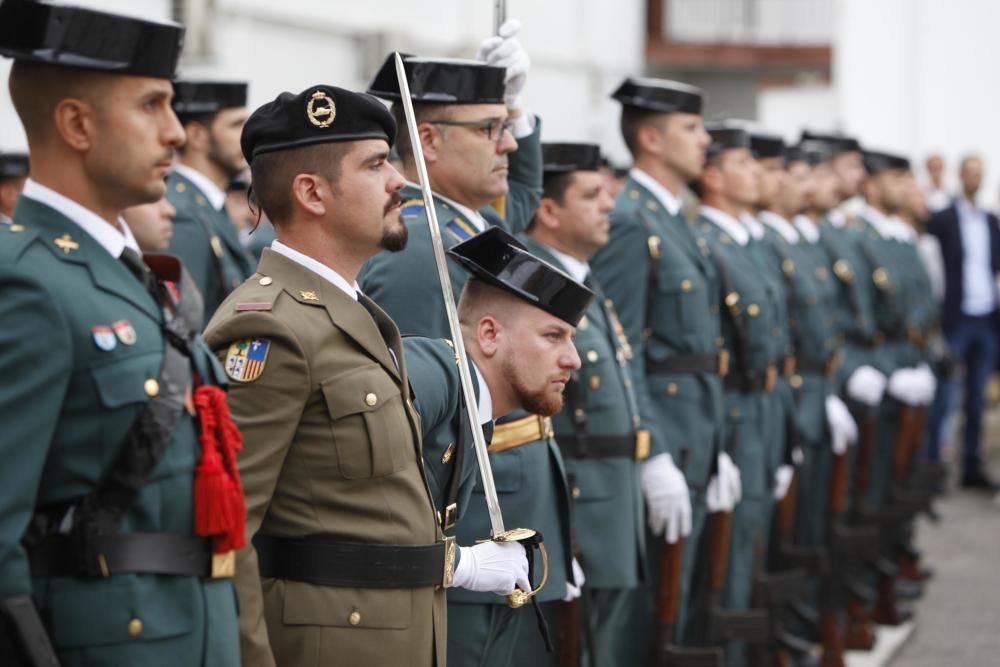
{"x": 223, "y": 565}
{"x": 545, "y": 430}
{"x": 770, "y": 377}
{"x": 450, "y": 515}
{"x": 448, "y": 576}
{"x": 641, "y": 445}
{"x": 723, "y": 358}
{"x": 789, "y": 365}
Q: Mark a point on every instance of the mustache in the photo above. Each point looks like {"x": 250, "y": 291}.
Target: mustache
{"x": 394, "y": 201}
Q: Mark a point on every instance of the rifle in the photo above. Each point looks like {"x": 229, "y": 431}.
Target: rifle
{"x": 569, "y": 621}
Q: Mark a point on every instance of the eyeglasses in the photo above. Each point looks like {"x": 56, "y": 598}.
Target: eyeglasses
{"x": 494, "y": 127}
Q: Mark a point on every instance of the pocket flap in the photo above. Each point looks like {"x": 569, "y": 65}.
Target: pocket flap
{"x": 306, "y": 604}
{"x": 358, "y": 390}
{"x": 120, "y": 381}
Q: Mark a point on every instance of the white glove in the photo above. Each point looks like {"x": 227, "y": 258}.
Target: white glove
{"x": 866, "y": 385}
{"x": 725, "y": 488}
{"x": 843, "y": 428}
{"x": 783, "y": 480}
{"x": 667, "y": 498}
{"x": 504, "y": 50}
{"x": 573, "y": 591}
{"x": 492, "y": 567}
{"x": 907, "y": 385}
{"x": 930, "y": 383}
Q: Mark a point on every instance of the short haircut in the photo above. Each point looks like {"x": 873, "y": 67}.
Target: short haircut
{"x": 272, "y": 174}
{"x": 633, "y": 120}
{"x": 205, "y": 119}
{"x": 554, "y": 187}
{"x": 479, "y": 299}
{"x": 37, "y": 88}
{"x": 423, "y": 113}
{"x": 712, "y": 160}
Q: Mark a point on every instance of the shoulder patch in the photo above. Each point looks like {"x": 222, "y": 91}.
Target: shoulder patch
{"x": 412, "y": 207}
{"x": 460, "y": 229}
{"x": 246, "y": 358}
{"x": 252, "y": 306}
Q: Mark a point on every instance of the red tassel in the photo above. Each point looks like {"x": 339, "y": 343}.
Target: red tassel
{"x": 219, "y": 507}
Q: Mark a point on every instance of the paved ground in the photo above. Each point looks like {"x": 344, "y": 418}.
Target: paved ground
{"x": 958, "y": 623}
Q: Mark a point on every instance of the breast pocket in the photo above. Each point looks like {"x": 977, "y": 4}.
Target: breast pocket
{"x": 681, "y": 307}
{"x": 368, "y": 423}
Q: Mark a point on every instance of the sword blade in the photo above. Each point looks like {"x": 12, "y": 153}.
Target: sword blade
{"x": 499, "y": 15}
{"x": 479, "y": 442}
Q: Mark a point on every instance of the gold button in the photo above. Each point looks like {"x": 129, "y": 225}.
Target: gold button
{"x": 671, "y": 389}
{"x": 685, "y": 285}
{"x": 633, "y": 194}
{"x": 180, "y": 187}
{"x": 592, "y": 356}
{"x": 151, "y": 387}
{"x": 753, "y": 310}
{"x": 16, "y": 228}
{"x": 371, "y": 399}
{"x": 134, "y": 627}
{"x": 576, "y": 491}
{"x": 595, "y": 382}
{"x": 265, "y": 281}
{"x": 354, "y": 618}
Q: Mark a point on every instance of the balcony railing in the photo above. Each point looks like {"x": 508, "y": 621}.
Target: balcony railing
{"x": 760, "y": 22}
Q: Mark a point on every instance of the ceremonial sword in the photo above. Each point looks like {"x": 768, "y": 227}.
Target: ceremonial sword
{"x": 497, "y": 531}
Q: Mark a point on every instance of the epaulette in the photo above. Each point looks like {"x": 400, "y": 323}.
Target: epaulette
{"x": 14, "y": 239}
{"x": 257, "y": 294}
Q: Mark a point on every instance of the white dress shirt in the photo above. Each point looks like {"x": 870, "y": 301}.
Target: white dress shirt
{"x": 576, "y": 269}
{"x": 111, "y": 238}
{"x": 807, "y": 229}
{"x": 664, "y": 196}
{"x": 780, "y": 225}
{"x": 978, "y": 288}
{"x": 213, "y": 193}
{"x": 727, "y": 223}
{"x": 753, "y": 225}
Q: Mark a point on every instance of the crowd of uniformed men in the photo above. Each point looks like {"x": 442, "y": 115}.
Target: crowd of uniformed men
{"x": 703, "y": 388}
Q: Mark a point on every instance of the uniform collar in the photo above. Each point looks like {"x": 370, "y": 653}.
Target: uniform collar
{"x": 806, "y": 227}
{"x": 111, "y": 239}
{"x": 666, "y": 197}
{"x": 576, "y": 269}
{"x": 753, "y": 225}
{"x": 727, "y": 223}
{"x": 836, "y": 218}
{"x": 780, "y": 225}
{"x": 880, "y": 221}
{"x": 4, "y": 220}
{"x": 320, "y": 269}
{"x": 215, "y": 195}
{"x": 475, "y": 218}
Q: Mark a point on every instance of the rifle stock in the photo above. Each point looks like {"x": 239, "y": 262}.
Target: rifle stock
{"x": 866, "y": 451}
{"x": 569, "y": 623}
{"x": 668, "y": 598}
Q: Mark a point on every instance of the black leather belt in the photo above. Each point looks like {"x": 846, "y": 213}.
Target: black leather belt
{"x": 329, "y": 562}
{"x": 827, "y": 368}
{"x": 716, "y": 363}
{"x": 130, "y": 553}
{"x": 632, "y": 446}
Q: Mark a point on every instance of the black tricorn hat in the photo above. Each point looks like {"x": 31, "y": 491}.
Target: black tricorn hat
{"x": 441, "y": 81}
{"x": 837, "y": 143}
{"x": 764, "y": 145}
{"x": 197, "y": 97}
{"x": 497, "y": 258}
{"x": 876, "y": 162}
{"x": 725, "y": 136}
{"x": 814, "y": 152}
{"x": 319, "y": 114}
{"x": 14, "y": 165}
{"x": 67, "y": 36}
{"x": 660, "y": 95}
{"x": 564, "y": 157}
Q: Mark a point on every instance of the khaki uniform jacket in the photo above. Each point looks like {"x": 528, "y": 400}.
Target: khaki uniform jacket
{"x": 331, "y": 447}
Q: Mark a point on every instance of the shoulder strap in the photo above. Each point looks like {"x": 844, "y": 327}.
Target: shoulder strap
{"x": 731, "y": 300}
{"x": 653, "y": 242}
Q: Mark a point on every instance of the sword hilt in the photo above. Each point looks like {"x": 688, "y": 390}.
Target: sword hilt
{"x": 530, "y": 539}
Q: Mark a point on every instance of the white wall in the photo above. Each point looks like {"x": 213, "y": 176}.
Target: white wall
{"x": 920, "y": 76}
{"x": 787, "y": 111}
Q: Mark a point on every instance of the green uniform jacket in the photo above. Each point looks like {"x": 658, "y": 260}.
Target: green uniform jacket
{"x": 406, "y": 283}
{"x": 747, "y": 331}
{"x": 331, "y": 446}
{"x": 255, "y": 241}
{"x": 68, "y": 398}
{"x": 608, "y": 508}
{"x": 667, "y": 307}
{"x": 207, "y": 243}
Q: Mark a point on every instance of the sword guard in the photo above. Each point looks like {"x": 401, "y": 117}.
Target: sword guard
{"x": 532, "y": 539}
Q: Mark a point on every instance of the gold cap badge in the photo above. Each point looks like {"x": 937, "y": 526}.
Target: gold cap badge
{"x": 321, "y": 110}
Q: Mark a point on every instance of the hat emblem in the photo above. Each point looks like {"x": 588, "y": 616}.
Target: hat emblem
{"x": 321, "y": 110}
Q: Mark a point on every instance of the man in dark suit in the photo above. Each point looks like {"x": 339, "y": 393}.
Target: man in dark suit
{"x": 970, "y": 248}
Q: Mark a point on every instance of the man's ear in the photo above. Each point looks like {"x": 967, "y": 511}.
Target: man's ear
{"x": 430, "y": 141}
{"x": 76, "y": 123}
{"x": 488, "y": 334}
{"x": 649, "y": 138}
{"x": 307, "y": 191}
{"x": 546, "y": 214}
{"x": 198, "y": 137}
